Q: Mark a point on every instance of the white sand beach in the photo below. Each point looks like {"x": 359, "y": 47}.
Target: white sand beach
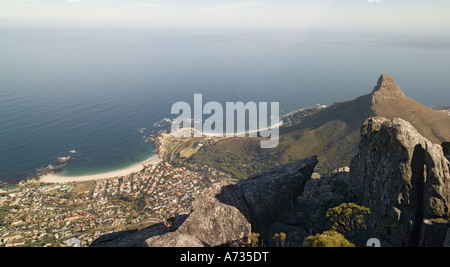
{"x": 54, "y": 178}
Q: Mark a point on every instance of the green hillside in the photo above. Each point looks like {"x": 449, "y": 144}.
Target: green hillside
{"x": 331, "y": 133}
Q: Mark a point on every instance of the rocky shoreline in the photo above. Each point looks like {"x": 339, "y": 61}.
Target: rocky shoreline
{"x": 60, "y": 163}
{"x": 444, "y": 109}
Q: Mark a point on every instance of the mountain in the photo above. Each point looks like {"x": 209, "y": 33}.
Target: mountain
{"x": 389, "y": 101}
{"x": 333, "y": 133}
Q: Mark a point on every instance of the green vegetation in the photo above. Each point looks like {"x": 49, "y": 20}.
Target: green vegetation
{"x": 333, "y": 142}
{"x": 188, "y": 152}
{"x": 348, "y": 219}
{"x": 254, "y": 240}
{"x": 298, "y": 116}
{"x": 133, "y": 204}
{"x": 239, "y": 157}
{"x": 83, "y": 187}
{"x": 169, "y": 224}
{"x": 280, "y": 239}
{"x": 328, "y": 238}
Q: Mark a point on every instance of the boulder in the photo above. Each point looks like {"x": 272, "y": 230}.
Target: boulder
{"x": 403, "y": 178}
{"x": 267, "y": 192}
{"x": 226, "y": 213}
{"x": 174, "y": 239}
{"x": 219, "y": 216}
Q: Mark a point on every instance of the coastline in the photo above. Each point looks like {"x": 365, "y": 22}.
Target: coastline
{"x": 160, "y": 140}
{"x": 54, "y": 178}
{"x": 245, "y": 133}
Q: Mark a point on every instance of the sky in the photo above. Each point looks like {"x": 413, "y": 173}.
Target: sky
{"x": 289, "y": 14}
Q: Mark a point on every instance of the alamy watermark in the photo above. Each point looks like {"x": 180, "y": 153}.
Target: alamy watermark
{"x": 235, "y": 120}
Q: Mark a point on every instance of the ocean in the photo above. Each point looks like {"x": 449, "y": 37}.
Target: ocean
{"x": 93, "y": 90}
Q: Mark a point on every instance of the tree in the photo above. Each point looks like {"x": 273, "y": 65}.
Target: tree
{"x": 328, "y": 238}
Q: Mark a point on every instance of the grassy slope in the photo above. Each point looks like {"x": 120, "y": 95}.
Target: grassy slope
{"x": 432, "y": 124}
{"x": 332, "y": 134}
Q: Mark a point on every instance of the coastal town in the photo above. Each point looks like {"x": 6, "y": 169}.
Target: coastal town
{"x": 38, "y": 214}
{"x": 49, "y": 210}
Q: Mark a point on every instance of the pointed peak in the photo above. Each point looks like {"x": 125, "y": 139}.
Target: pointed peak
{"x": 385, "y": 81}
{"x": 387, "y": 87}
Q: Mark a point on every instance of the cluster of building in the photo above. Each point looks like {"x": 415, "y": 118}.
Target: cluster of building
{"x": 50, "y": 215}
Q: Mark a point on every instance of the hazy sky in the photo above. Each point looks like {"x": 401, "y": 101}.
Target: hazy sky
{"x": 295, "y": 14}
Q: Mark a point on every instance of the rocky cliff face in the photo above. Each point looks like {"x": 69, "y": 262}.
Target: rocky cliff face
{"x": 386, "y": 89}
{"x": 405, "y": 180}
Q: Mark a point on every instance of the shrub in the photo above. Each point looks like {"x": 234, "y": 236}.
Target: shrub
{"x": 280, "y": 239}
{"x": 254, "y": 239}
{"x": 348, "y": 217}
{"x": 328, "y": 238}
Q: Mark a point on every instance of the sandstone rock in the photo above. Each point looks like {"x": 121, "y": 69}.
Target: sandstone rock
{"x": 174, "y": 239}
{"x": 219, "y": 216}
{"x": 265, "y": 193}
{"x": 402, "y": 177}
{"x": 328, "y": 191}
{"x": 226, "y": 213}
{"x": 386, "y": 89}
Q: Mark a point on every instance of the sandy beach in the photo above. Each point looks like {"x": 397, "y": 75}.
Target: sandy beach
{"x": 162, "y": 139}
{"x": 58, "y": 179}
